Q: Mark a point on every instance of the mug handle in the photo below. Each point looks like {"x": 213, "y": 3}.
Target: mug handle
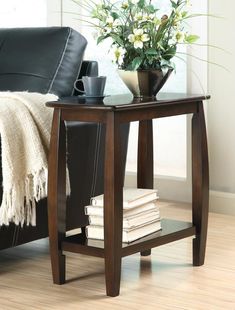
{"x": 75, "y": 87}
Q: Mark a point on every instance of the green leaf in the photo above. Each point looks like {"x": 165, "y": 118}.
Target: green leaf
{"x": 150, "y": 9}
{"x": 100, "y": 39}
{"x": 174, "y": 4}
{"x": 167, "y": 63}
{"x": 151, "y": 51}
{"x": 184, "y": 13}
{"x": 114, "y": 15}
{"x": 160, "y": 46}
{"x": 116, "y": 38}
{"x": 169, "y": 53}
{"x": 136, "y": 62}
{"x": 191, "y": 38}
{"x": 141, "y": 4}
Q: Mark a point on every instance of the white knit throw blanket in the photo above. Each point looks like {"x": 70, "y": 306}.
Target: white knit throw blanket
{"x": 25, "y": 126}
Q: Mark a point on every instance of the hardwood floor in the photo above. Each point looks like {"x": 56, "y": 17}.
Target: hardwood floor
{"x": 164, "y": 280}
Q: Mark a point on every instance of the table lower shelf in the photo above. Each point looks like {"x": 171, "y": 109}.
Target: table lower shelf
{"x": 172, "y": 230}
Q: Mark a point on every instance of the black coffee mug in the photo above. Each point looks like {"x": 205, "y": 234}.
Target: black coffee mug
{"x": 93, "y": 85}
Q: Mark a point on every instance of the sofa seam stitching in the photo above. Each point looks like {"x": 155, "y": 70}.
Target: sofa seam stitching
{"x": 61, "y": 59}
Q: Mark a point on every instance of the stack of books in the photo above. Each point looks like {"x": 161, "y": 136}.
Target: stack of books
{"x": 141, "y": 215}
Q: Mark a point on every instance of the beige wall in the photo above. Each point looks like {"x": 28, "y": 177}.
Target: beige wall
{"x": 54, "y": 13}
{"x": 221, "y": 108}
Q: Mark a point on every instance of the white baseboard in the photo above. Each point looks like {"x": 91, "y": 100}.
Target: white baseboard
{"x": 169, "y": 188}
{"x": 178, "y": 189}
{"x": 222, "y": 202}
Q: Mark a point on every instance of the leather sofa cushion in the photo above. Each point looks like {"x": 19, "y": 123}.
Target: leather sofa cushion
{"x": 40, "y": 59}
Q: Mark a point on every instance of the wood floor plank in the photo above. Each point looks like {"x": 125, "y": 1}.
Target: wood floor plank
{"x": 165, "y": 280}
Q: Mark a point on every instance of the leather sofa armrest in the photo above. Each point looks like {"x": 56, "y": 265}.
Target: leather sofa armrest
{"x": 88, "y": 68}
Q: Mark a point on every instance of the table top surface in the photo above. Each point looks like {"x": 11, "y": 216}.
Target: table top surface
{"x": 126, "y": 101}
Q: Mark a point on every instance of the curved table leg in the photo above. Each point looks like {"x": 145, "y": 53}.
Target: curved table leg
{"x": 200, "y": 180}
{"x": 113, "y": 206}
{"x": 57, "y": 197}
{"x": 145, "y": 160}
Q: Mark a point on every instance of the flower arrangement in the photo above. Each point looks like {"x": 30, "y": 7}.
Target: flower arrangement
{"x": 141, "y": 38}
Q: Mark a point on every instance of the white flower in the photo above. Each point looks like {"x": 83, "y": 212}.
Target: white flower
{"x": 116, "y": 23}
{"x": 188, "y": 3}
{"x": 125, "y": 4}
{"x": 134, "y": 1}
{"x": 179, "y": 37}
{"x": 138, "y": 17}
{"x": 110, "y": 20}
{"x": 118, "y": 54}
{"x": 99, "y": 11}
{"x": 149, "y": 17}
{"x": 156, "y": 21}
{"x": 107, "y": 30}
{"x": 138, "y": 37}
{"x": 111, "y": 23}
{"x": 178, "y": 15}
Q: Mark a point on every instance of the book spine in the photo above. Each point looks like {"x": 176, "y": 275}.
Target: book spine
{"x": 127, "y": 214}
{"x": 86, "y": 210}
{"x": 130, "y": 202}
{"x": 128, "y": 222}
{"x": 100, "y": 203}
{"x": 94, "y": 202}
{"x": 126, "y": 205}
{"x": 97, "y": 232}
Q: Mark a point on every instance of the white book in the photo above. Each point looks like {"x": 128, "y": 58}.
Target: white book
{"x": 98, "y": 211}
{"x": 97, "y": 232}
{"x": 132, "y": 197}
{"x": 129, "y": 222}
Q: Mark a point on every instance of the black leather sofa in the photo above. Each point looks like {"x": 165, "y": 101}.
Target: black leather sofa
{"x": 50, "y": 60}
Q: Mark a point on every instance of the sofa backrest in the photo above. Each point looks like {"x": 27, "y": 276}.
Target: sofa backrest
{"x": 40, "y": 59}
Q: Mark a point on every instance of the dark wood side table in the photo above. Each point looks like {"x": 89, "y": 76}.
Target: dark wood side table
{"x": 113, "y": 112}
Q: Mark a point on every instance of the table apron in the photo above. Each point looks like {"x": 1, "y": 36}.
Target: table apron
{"x": 130, "y": 115}
{"x": 149, "y": 113}
{"x": 98, "y": 116}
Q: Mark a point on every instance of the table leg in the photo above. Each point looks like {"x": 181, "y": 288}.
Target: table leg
{"x": 113, "y": 205}
{"x": 57, "y": 197}
{"x": 145, "y": 160}
{"x": 200, "y": 180}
